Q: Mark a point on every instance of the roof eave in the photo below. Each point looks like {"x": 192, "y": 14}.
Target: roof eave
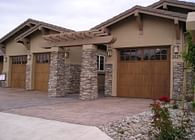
{"x": 142, "y": 10}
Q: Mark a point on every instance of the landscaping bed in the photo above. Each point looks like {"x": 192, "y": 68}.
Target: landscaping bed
{"x": 137, "y": 127}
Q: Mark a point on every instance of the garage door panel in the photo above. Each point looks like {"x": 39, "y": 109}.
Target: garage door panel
{"x": 132, "y": 91}
{"x": 18, "y": 71}
{"x": 124, "y": 91}
{"x": 42, "y": 71}
{"x": 147, "y": 77}
{"x": 143, "y": 91}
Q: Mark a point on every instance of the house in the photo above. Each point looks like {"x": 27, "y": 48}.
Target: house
{"x": 134, "y": 54}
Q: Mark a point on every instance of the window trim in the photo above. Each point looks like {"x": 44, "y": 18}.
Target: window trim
{"x": 98, "y": 61}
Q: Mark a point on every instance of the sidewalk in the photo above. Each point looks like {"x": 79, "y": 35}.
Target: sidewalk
{"x": 16, "y": 127}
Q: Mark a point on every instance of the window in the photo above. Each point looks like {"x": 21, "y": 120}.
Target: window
{"x": 141, "y": 54}
{"x": 130, "y": 54}
{"x": 19, "y": 59}
{"x": 100, "y": 62}
{"x": 155, "y": 54}
{"x": 42, "y": 58}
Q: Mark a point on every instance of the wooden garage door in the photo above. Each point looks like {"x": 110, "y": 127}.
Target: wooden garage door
{"x": 1, "y": 64}
{"x": 144, "y": 72}
{"x": 42, "y": 61}
{"x": 18, "y": 71}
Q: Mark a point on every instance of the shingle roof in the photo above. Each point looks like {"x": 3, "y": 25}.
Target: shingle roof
{"x": 35, "y": 22}
{"x": 144, "y": 10}
{"x": 183, "y": 3}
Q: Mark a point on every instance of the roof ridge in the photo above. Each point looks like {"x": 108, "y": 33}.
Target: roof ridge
{"x": 137, "y": 7}
{"x": 36, "y": 22}
{"x": 188, "y": 3}
{"x": 49, "y": 24}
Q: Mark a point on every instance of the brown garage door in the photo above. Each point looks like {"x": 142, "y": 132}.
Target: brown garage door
{"x": 144, "y": 72}
{"x": 42, "y": 61}
{"x": 1, "y": 64}
{"x": 18, "y": 71}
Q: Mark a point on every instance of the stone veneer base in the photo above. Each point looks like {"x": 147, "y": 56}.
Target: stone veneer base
{"x": 88, "y": 77}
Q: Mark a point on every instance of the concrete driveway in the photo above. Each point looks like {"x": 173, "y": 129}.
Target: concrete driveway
{"x": 69, "y": 109}
{"x": 15, "y": 127}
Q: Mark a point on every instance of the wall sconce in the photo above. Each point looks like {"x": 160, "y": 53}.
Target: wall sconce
{"x": 109, "y": 51}
{"x": 176, "y": 49}
{"x": 29, "y": 57}
{"x": 67, "y": 53}
{"x": 5, "y": 59}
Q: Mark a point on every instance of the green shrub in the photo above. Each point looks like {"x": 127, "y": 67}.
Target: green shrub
{"x": 163, "y": 127}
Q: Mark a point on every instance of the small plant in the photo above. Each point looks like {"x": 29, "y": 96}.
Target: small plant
{"x": 162, "y": 126}
{"x": 174, "y": 104}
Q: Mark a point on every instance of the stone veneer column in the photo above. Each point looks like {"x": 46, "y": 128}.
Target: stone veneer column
{"x": 178, "y": 77}
{"x": 88, "y": 77}
{"x": 56, "y": 76}
{"x": 72, "y": 78}
{"x": 29, "y": 72}
{"x": 189, "y": 82}
{"x": 108, "y": 79}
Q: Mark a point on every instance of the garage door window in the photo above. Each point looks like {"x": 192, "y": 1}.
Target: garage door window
{"x": 143, "y": 54}
{"x": 130, "y": 54}
{"x": 42, "y": 58}
{"x": 19, "y": 60}
{"x": 155, "y": 54}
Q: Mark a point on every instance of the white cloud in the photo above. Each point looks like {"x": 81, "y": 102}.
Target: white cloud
{"x": 73, "y": 14}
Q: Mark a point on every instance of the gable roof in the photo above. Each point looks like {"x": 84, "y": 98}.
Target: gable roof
{"x": 34, "y": 23}
{"x": 42, "y": 25}
{"x": 143, "y": 10}
{"x": 181, "y": 4}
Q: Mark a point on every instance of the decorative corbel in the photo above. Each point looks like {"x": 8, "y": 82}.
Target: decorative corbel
{"x": 165, "y": 6}
{"x": 26, "y": 43}
{"x": 2, "y": 48}
{"x": 139, "y": 21}
{"x": 177, "y": 29}
{"x": 43, "y": 30}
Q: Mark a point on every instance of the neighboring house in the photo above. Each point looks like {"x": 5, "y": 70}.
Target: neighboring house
{"x": 143, "y": 47}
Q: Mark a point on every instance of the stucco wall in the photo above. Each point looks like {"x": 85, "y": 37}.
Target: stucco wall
{"x": 156, "y": 32}
{"x": 12, "y": 49}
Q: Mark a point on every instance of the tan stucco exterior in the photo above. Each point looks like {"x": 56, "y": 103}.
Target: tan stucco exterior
{"x": 156, "y": 32}
{"x": 135, "y": 28}
{"x": 36, "y": 41}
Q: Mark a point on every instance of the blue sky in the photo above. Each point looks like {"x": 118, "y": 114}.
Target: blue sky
{"x": 73, "y": 14}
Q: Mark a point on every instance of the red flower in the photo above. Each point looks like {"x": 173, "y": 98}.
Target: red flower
{"x": 164, "y": 99}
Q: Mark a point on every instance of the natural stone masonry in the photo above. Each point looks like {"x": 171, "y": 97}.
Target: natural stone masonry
{"x": 178, "y": 76}
{"x": 56, "y": 76}
{"x": 189, "y": 82}
{"x": 108, "y": 79}
{"x": 88, "y": 77}
{"x": 28, "y": 74}
{"x": 72, "y": 78}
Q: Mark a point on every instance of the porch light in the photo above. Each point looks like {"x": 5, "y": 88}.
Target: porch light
{"x": 176, "y": 49}
{"x": 109, "y": 51}
{"x": 29, "y": 57}
{"x": 67, "y": 53}
{"x": 5, "y": 59}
